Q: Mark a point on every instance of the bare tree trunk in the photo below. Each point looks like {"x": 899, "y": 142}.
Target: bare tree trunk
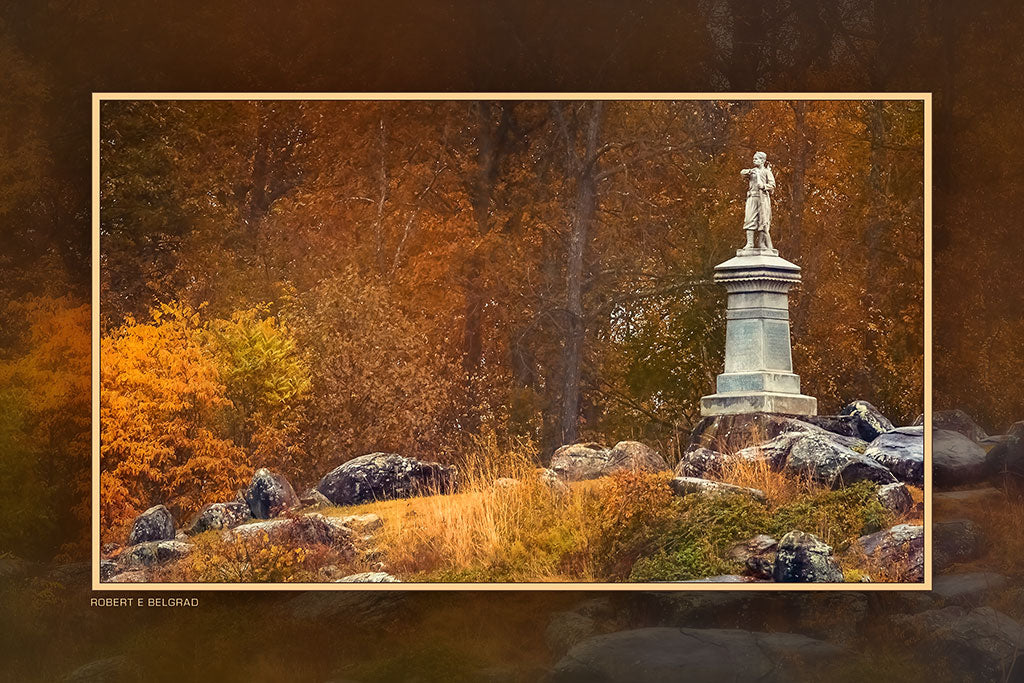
{"x": 584, "y": 209}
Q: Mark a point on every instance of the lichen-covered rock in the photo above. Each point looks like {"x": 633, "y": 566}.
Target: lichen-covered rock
{"x": 900, "y": 550}
{"x": 155, "y": 524}
{"x": 701, "y": 462}
{"x": 153, "y": 553}
{"x": 309, "y": 529}
{"x": 219, "y": 516}
{"x": 385, "y": 476}
{"x": 956, "y": 421}
{"x": 896, "y": 498}
{"x": 805, "y": 558}
{"x": 582, "y": 461}
{"x": 649, "y": 655}
{"x": 682, "y": 486}
{"x": 314, "y": 499}
{"x": 981, "y": 642}
{"x": 757, "y": 556}
{"x": 901, "y": 451}
{"x": 108, "y": 568}
{"x": 368, "y": 577}
{"x": 871, "y": 422}
{"x": 269, "y": 495}
{"x": 829, "y": 461}
{"x": 956, "y": 460}
{"x": 552, "y": 481}
{"x": 955, "y": 540}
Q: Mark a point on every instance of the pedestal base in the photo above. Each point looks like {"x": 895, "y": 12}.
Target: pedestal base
{"x": 741, "y": 402}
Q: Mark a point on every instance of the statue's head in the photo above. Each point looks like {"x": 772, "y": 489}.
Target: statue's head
{"x": 760, "y": 158}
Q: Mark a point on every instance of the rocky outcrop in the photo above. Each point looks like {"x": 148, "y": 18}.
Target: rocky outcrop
{"x": 660, "y": 654}
{"x": 385, "y": 476}
{"x": 899, "y": 550}
{"x": 901, "y": 451}
{"x": 805, "y": 558}
{"x": 829, "y": 461}
{"x": 730, "y": 433}
{"x": 956, "y": 421}
{"x": 582, "y": 461}
{"x": 870, "y": 421}
{"x": 701, "y": 462}
{"x": 682, "y": 486}
{"x": 152, "y": 553}
{"x": 269, "y": 495}
{"x": 896, "y": 498}
{"x": 757, "y": 556}
{"x": 155, "y": 524}
{"x": 955, "y": 540}
{"x": 957, "y": 460}
{"x": 982, "y": 641}
{"x": 314, "y": 499}
{"x": 219, "y": 516}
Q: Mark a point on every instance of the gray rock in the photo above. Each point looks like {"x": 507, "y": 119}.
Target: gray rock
{"x": 657, "y": 654}
{"x": 757, "y": 555}
{"x": 133, "y": 576}
{"x": 269, "y": 494}
{"x": 901, "y": 451}
{"x": 896, "y": 498}
{"x": 968, "y": 589}
{"x": 308, "y": 529}
{"x": 582, "y": 461}
{"x": 1016, "y": 430}
{"x": 1005, "y": 464}
{"x": 731, "y": 433}
{"x": 385, "y": 476}
{"x": 682, "y": 486}
{"x": 844, "y": 425}
{"x": 805, "y": 558}
{"x": 152, "y": 553}
{"x": 108, "y": 568}
{"x": 155, "y": 524}
{"x": 980, "y": 643}
{"x": 701, "y": 462}
{"x": 871, "y": 422}
{"x": 722, "y": 578}
{"x": 900, "y": 550}
{"x": 957, "y": 421}
{"x": 566, "y": 629}
{"x": 956, "y": 460}
{"x": 828, "y": 461}
{"x": 219, "y": 516}
{"x": 314, "y": 499}
{"x": 956, "y": 540}
{"x": 368, "y": 577}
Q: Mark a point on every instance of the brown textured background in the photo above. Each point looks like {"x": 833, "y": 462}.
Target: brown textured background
{"x": 56, "y": 53}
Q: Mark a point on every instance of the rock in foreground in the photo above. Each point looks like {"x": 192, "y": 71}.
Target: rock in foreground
{"x": 581, "y": 461}
{"x": 155, "y": 524}
{"x": 902, "y": 452}
{"x": 805, "y": 558}
{"x": 870, "y": 421}
{"x": 682, "y": 486}
{"x": 385, "y": 476}
{"x": 219, "y": 516}
{"x": 899, "y": 550}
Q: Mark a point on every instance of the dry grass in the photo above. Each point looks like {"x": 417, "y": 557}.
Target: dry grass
{"x": 779, "y": 488}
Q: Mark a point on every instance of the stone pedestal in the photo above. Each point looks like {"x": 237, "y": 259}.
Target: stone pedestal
{"x": 758, "y": 375}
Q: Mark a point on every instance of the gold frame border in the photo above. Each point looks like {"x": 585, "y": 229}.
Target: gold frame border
{"x": 926, "y": 585}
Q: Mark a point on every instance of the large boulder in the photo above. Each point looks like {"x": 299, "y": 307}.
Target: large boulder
{"x": 582, "y": 461}
{"x": 385, "y": 476}
{"x": 899, "y": 551}
{"x": 956, "y": 421}
{"x": 1005, "y": 464}
{"x": 896, "y": 498}
{"x": 901, "y": 451}
{"x": 730, "y": 433}
{"x": 682, "y": 486}
{"x": 957, "y": 460}
{"x": 981, "y": 643}
{"x": 155, "y": 524}
{"x": 694, "y": 655}
{"x": 701, "y": 462}
{"x": 870, "y": 421}
{"x": 152, "y": 553}
{"x": 219, "y": 516}
{"x": 805, "y": 558}
{"x": 269, "y": 494}
{"x": 757, "y": 555}
{"x": 827, "y": 460}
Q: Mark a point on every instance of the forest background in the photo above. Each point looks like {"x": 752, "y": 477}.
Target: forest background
{"x": 292, "y": 284}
